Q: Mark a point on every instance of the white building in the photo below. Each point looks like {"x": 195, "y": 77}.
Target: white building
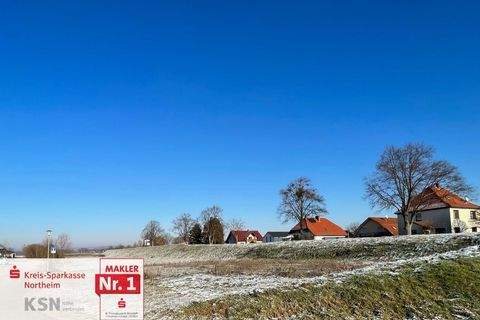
{"x": 445, "y": 213}
{"x": 275, "y": 236}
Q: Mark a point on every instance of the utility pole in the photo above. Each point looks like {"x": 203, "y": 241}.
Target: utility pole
{"x": 49, "y": 237}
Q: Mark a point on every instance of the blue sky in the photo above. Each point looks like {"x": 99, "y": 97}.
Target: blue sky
{"x": 115, "y": 113}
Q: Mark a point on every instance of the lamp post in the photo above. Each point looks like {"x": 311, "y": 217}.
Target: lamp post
{"x": 49, "y": 237}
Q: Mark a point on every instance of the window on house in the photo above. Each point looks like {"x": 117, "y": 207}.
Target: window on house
{"x": 419, "y": 217}
{"x": 456, "y": 214}
{"x": 474, "y": 229}
{"x": 456, "y": 229}
{"x": 440, "y": 230}
{"x": 473, "y": 215}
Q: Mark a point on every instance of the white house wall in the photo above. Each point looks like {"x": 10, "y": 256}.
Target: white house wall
{"x": 442, "y": 218}
{"x": 437, "y": 218}
{"x": 464, "y": 215}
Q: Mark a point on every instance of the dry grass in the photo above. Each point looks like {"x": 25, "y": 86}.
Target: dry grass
{"x": 264, "y": 267}
{"x": 448, "y": 290}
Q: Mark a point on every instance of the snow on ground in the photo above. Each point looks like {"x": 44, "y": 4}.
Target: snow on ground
{"x": 171, "y": 292}
{"x": 382, "y": 247}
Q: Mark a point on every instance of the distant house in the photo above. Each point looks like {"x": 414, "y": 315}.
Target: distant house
{"x": 5, "y": 253}
{"x": 377, "y": 227}
{"x": 445, "y": 212}
{"x": 317, "y": 229}
{"x": 275, "y": 236}
{"x": 244, "y": 236}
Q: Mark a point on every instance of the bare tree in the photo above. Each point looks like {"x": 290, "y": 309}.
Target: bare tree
{"x": 235, "y": 224}
{"x": 63, "y": 244}
{"x": 154, "y": 233}
{"x": 300, "y": 200}
{"x": 182, "y": 225}
{"x": 166, "y": 238}
{"x": 352, "y": 228}
{"x": 35, "y": 250}
{"x": 211, "y": 212}
{"x": 403, "y": 176}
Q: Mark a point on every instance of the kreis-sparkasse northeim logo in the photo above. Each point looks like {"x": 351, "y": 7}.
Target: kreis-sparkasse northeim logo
{"x": 73, "y": 288}
{"x": 14, "y": 273}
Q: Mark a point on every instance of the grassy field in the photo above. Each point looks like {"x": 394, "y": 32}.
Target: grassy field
{"x": 356, "y": 248}
{"x": 264, "y": 267}
{"x": 447, "y": 290}
{"x": 414, "y": 277}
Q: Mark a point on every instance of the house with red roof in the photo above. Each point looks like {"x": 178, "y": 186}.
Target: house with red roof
{"x": 385, "y": 226}
{"x": 444, "y": 212}
{"x": 244, "y": 236}
{"x": 317, "y": 229}
{"x": 377, "y": 227}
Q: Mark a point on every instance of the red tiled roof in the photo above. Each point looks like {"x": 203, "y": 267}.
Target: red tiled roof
{"x": 241, "y": 235}
{"x": 320, "y": 227}
{"x": 389, "y": 224}
{"x": 438, "y": 197}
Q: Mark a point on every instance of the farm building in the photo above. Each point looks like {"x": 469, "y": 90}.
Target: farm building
{"x": 244, "y": 236}
{"x": 377, "y": 227}
{"x": 275, "y": 236}
{"x": 317, "y": 229}
{"x": 444, "y": 212}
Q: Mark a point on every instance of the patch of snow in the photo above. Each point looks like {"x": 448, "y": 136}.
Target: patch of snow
{"x": 171, "y": 293}
{"x": 174, "y": 290}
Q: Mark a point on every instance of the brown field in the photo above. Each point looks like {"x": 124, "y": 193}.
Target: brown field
{"x": 263, "y": 267}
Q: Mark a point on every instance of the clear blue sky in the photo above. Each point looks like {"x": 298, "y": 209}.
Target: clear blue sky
{"x": 114, "y": 113}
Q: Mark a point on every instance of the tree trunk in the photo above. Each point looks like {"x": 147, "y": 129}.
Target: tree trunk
{"x": 408, "y": 227}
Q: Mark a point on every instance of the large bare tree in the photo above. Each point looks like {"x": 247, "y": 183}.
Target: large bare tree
{"x": 235, "y": 224}
{"x": 300, "y": 200}
{"x": 402, "y": 177}
{"x": 182, "y": 226}
{"x": 154, "y": 233}
{"x": 63, "y": 244}
{"x": 211, "y": 212}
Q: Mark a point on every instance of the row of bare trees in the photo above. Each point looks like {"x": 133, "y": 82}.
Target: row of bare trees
{"x": 208, "y": 228}
{"x": 399, "y": 183}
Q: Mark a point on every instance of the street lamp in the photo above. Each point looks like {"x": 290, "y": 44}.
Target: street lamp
{"x": 49, "y": 237}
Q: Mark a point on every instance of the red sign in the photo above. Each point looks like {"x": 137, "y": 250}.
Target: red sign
{"x": 117, "y": 284}
{"x": 122, "y": 304}
{"x": 14, "y": 273}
